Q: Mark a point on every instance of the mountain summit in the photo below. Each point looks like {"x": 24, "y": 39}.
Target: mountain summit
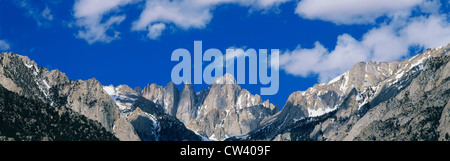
{"x": 222, "y": 110}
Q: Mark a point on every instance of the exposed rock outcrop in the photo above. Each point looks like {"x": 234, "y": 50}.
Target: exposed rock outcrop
{"x": 148, "y": 119}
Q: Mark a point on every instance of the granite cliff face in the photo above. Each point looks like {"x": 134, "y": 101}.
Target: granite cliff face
{"x": 400, "y": 100}
{"x": 227, "y": 110}
{"x": 149, "y": 119}
{"x": 167, "y": 96}
{"x": 222, "y": 110}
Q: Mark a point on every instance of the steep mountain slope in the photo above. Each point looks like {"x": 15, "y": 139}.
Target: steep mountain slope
{"x": 28, "y": 119}
{"x": 167, "y": 96}
{"x": 228, "y": 110}
{"x": 148, "y": 118}
{"x": 218, "y": 112}
{"x": 21, "y": 75}
{"x": 404, "y": 100}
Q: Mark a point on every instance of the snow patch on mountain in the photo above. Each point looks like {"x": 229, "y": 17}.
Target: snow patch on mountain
{"x": 123, "y": 100}
{"x": 319, "y": 111}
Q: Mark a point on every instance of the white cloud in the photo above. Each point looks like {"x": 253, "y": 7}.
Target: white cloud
{"x": 93, "y": 8}
{"x": 94, "y": 31}
{"x": 235, "y": 52}
{"x": 430, "y": 6}
{"x": 187, "y": 14}
{"x": 347, "y": 52}
{"x": 384, "y": 43}
{"x": 261, "y": 4}
{"x": 95, "y": 18}
{"x": 429, "y": 31}
{"x": 294, "y": 62}
{"x": 154, "y": 31}
{"x": 352, "y": 11}
{"x": 4, "y": 45}
{"x": 319, "y": 60}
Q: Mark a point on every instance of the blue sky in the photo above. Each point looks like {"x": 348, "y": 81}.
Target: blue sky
{"x": 131, "y": 41}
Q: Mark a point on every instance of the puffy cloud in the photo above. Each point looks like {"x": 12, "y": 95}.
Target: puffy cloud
{"x": 429, "y": 31}
{"x": 384, "y": 43}
{"x": 261, "y": 4}
{"x": 187, "y": 14}
{"x": 295, "y": 61}
{"x": 96, "y": 18}
{"x": 319, "y": 60}
{"x": 95, "y": 8}
{"x": 154, "y": 31}
{"x": 93, "y": 31}
{"x": 352, "y": 11}
{"x": 93, "y": 21}
{"x": 430, "y": 6}
{"x": 4, "y": 45}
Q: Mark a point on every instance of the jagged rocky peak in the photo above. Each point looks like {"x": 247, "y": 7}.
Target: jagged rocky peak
{"x": 125, "y": 89}
{"x": 363, "y": 76}
{"x": 138, "y": 90}
{"x": 226, "y": 110}
{"x": 171, "y": 99}
{"x": 147, "y": 118}
{"x": 246, "y": 99}
{"x": 154, "y": 93}
{"x": 269, "y": 105}
{"x": 225, "y": 79}
{"x": 187, "y": 111}
{"x": 22, "y": 75}
{"x": 223, "y": 93}
{"x": 167, "y": 96}
{"x": 123, "y": 96}
{"x": 119, "y": 90}
{"x": 220, "y": 111}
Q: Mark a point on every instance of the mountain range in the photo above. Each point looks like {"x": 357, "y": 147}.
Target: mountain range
{"x": 399, "y": 100}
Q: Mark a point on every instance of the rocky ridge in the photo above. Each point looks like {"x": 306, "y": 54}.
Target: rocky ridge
{"x": 26, "y": 119}
{"x": 222, "y": 110}
{"x": 407, "y": 97}
{"x": 22, "y": 76}
{"x": 148, "y": 118}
